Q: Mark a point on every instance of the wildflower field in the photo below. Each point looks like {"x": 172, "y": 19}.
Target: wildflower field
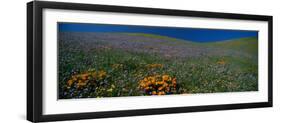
{"x": 96, "y": 65}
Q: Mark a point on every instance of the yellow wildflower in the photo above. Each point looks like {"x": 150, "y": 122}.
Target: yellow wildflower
{"x": 102, "y": 74}
{"x": 221, "y": 62}
{"x": 70, "y": 82}
{"x": 165, "y": 77}
{"x": 154, "y": 66}
{"x": 158, "y": 85}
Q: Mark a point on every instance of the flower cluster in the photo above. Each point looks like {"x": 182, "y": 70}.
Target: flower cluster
{"x": 116, "y": 66}
{"x": 221, "y": 62}
{"x": 158, "y": 85}
{"x": 89, "y": 77}
{"x": 150, "y": 66}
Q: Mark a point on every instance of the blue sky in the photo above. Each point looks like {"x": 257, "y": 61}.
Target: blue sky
{"x": 191, "y": 34}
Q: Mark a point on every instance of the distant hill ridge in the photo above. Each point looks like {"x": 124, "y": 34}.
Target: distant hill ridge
{"x": 142, "y": 42}
{"x": 248, "y": 44}
{"x": 178, "y": 39}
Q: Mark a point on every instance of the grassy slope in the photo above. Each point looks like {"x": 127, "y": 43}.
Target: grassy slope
{"x": 165, "y": 38}
{"x": 248, "y": 44}
{"x": 194, "y": 75}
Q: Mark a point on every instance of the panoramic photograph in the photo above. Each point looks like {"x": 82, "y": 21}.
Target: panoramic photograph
{"x": 108, "y": 60}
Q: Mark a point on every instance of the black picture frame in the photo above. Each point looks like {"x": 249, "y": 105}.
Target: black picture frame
{"x": 34, "y": 60}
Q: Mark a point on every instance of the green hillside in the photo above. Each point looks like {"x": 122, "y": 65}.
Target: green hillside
{"x": 165, "y": 39}
{"x": 95, "y": 65}
{"x": 248, "y": 45}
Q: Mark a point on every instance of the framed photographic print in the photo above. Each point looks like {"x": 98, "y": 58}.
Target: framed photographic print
{"x": 96, "y": 61}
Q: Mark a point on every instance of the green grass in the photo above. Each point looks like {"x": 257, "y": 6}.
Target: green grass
{"x": 125, "y": 69}
{"x": 166, "y": 40}
{"x": 248, "y": 45}
{"x": 196, "y": 75}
